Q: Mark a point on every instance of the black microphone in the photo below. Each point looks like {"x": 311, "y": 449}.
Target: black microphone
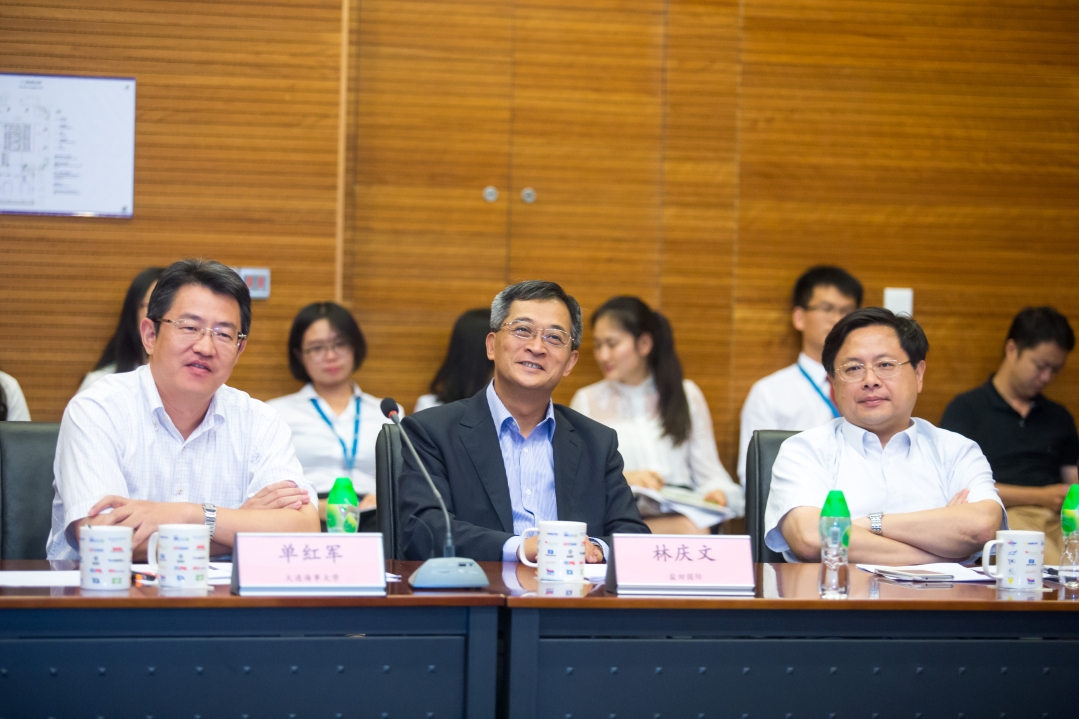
{"x": 447, "y": 571}
{"x": 389, "y": 408}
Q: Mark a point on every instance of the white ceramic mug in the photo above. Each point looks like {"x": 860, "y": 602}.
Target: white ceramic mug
{"x": 560, "y": 552}
{"x": 1020, "y": 556}
{"x": 180, "y": 556}
{"x": 105, "y": 557}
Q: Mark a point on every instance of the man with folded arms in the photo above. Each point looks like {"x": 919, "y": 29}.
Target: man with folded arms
{"x": 1030, "y": 441}
{"x": 508, "y": 457}
{"x": 169, "y": 443}
{"x": 917, "y": 494}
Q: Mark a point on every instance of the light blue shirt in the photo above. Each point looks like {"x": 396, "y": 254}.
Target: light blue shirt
{"x": 529, "y": 463}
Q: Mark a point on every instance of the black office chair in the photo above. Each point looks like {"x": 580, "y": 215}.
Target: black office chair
{"x": 387, "y": 471}
{"x": 27, "y": 450}
{"x": 763, "y": 448}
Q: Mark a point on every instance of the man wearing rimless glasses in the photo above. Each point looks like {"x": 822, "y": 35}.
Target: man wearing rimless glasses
{"x": 917, "y": 494}
{"x": 170, "y": 443}
{"x": 508, "y": 457}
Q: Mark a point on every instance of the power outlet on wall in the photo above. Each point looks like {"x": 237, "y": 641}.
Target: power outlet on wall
{"x": 258, "y": 281}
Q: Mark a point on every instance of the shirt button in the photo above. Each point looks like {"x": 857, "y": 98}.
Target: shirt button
{"x": 526, "y": 451}
{"x": 528, "y": 492}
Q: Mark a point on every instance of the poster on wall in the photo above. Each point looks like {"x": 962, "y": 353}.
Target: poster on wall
{"x": 67, "y": 145}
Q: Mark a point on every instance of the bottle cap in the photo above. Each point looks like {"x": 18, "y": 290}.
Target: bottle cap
{"x": 835, "y": 505}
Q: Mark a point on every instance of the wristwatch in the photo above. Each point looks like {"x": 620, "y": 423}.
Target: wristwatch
{"x": 210, "y": 511}
{"x": 874, "y": 523}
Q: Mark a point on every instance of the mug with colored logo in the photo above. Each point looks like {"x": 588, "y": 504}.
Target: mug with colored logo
{"x": 180, "y": 555}
{"x": 560, "y": 552}
{"x": 105, "y": 557}
{"x": 1020, "y": 556}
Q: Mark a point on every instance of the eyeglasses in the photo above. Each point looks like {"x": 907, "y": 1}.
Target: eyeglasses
{"x": 319, "y": 352}
{"x": 526, "y": 332}
{"x": 829, "y": 309}
{"x": 191, "y": 333}
{"x": 883, "y": 369}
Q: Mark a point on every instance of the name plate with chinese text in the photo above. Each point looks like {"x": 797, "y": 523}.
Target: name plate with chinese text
{"x": 287, "y": 563}
{"x": 681, "y": 565}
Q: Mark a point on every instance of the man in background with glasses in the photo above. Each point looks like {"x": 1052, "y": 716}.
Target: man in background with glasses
{"x": 508, "y": 457}
{"x": 800, "y": 396}
{"x": 1030, "y": 441}
{"x": 169, "y": 443}
{"x": 917, "y": 494}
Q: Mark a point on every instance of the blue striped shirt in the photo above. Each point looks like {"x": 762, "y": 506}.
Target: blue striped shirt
{"x": 529, "y": 463}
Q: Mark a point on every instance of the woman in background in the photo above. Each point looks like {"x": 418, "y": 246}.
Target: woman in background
{"x": 12, "y": 403}
{"x": 466, "y": 369}
{"x": 334, "y": 425}
{"x": 663, "y": 423}
{"x": 124, "y": 351}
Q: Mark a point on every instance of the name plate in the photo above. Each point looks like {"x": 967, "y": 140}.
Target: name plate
{"x": 301, "y": 564}
{"x": 681, "y": 565}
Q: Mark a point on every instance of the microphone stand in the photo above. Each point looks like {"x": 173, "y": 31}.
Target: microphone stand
{"x": 447, "y": 571}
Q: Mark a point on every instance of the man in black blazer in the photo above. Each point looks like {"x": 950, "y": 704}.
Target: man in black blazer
{"x": 508, "y": 457}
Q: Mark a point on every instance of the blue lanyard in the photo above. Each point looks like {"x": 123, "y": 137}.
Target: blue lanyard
{"x": 827, "y": 400}
{"x": 350, "y": 461}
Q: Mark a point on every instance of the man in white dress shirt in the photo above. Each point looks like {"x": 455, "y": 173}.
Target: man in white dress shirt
{"x": 917, "y": 494}
{"x": 169, "y": 443}
{"x": 800, "y": 396}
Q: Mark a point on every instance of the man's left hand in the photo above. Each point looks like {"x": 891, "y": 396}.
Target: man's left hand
{"x": 593, "y": 553}
{"x": 142, "y": 516}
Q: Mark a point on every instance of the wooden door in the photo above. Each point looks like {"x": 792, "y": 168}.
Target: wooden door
{"x": 587, "y": 134}
{"x": 431, "y": 132}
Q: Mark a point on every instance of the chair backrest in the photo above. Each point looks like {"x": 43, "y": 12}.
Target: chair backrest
{"x": 763, "y": 448}
{"x": 387, "y": 472}
{"x": 27, "y": 450}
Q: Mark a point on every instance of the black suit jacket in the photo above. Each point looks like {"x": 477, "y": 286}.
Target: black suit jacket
{"x": 459, "y": 445}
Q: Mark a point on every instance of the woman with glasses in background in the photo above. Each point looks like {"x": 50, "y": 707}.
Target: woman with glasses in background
{"x": 662, "y": 420}
{"x": 124, "y": 351}
{"x": 334, "y": 425}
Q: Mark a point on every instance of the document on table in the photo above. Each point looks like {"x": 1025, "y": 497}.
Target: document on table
{"x": 595, "y": 573}
{"x": 958, "y": 572}
{"x": 65, "y": 578}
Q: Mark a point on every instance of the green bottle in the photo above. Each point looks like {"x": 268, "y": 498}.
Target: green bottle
{"x": 834, "y": 581}
{"x": 1068, "y": 572}
{"x": 342, "y": 507}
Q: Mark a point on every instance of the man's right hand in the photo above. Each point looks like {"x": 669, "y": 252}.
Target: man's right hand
{"x": 644, "y": 478}
{"x": 1053, "y": 495}
{"x": 530, "y": 548}
{"x": 279, "y": 495}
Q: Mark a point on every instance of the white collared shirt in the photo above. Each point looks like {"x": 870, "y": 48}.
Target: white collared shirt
{"x": 17, "y": 411}
{"x": 116, "y": 438}
{"x": 785, "y": 400}
{"x": 317, "y": 445}
{"x": 633, "y": 412}
{"x": 922, "y": 468}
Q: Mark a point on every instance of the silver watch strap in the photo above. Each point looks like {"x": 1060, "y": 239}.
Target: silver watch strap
{"x": 875, "y": 523}
{"x": 210, "y": 513}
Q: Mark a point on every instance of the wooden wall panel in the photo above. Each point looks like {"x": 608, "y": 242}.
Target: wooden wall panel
{"x": 924, "y": 145}
{"x": 235, "y": 154}
{"x": 587, "y": 136}
{"x": 433, "y": 117}
{"x": 700, "y": 187}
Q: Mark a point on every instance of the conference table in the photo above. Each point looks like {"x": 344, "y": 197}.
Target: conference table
{"x": 148, "y": 653}
{"x": 890, "y": 650}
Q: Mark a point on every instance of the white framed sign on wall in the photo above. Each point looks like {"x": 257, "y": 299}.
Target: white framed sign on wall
{"x": 67, "y": 145}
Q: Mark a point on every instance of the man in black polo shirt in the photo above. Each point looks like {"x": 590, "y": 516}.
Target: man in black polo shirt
{"x": 1030, "y": 441}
